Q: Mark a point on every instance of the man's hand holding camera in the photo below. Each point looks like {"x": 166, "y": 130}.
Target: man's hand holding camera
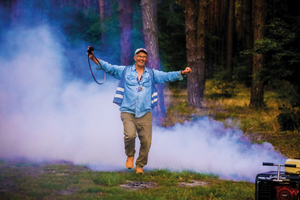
{"x": 90, "y": 53}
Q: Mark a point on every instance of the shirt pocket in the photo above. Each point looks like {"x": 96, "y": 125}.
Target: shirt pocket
{"x": 131, "y": 80}
{"x": 147, "y": 81}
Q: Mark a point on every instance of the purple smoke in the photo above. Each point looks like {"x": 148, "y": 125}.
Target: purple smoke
{"x": 45, "y": 116}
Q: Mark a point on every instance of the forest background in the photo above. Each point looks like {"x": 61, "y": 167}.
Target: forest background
{"x": 234, "y": 47}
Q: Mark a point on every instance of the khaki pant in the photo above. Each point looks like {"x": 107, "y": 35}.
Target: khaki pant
{"x": 141, "y": 126}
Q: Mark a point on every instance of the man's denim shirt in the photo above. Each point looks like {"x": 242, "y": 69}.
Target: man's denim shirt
{"x": 137, "y": 95}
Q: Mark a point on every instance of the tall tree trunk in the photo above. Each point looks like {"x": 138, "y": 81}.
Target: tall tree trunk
{"x": 101, "y": 9}
{"x": 86, "y": 4}
{"x": 218, "y": 21}
{"x": 39, "y": 14}
{"x": 223, "y": 31}
{"x": 211, "y": 29}
{"x": 102, "y": 17}
{"x": 195, "y": 45}
{"x": 4, "y": 17}
{"x": 257, "y": 90}
{"x": 17, "y": 11}
{"x": 125, "y": 18}
{"x": 248, "y": 38}
{"x": 230, "y": 40}
{"x": 239, "y": 25}
{"x": 201, "y": 44}
{"x": 190, "y": 32}
{"x": 149, "y": 16}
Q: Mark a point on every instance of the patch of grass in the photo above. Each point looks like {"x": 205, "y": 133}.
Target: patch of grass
{"x": 199, "y": 176}
{"x": 71, "y": 182}
{"x": 263, "y": 120}
{"x": 166, "y": 178}
{"x": 260, "y": 125}
{"x": 109, "y": 179}
{"x": 96, "y": 189}
{"x": 178, "y": 111}
{"x": 287, "y": 142}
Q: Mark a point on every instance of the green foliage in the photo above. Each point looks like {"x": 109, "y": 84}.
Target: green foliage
{"x": 282, "y": 46}
{"x": 222, "y": 87}
{"x": 224, "y": 83}
{"x": 240, "y": 73}
{"x": 286, "y": 91}
{"x": 79, "y": 25}
{"x": 85, "y": 25}
{"x": 281, "y": 49}
{"x": 289, "y": 119}
{"x": 171, "y": 26}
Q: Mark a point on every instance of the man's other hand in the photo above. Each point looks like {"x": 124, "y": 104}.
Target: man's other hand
{"x": 186, "y": 71}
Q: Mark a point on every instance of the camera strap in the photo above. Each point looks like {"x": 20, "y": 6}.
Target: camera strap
{"x": 101, "y": 83}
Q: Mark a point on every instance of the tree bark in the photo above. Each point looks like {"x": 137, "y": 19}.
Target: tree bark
{"x": 17, "y": 12}
{"x": 257, "y": 89}
{"x": 190, "y": 32}
{"x": 211, "y": 29}
{"x": 201, "y": 43}
{"x": 238, "y": 16}
{"x": 125, "y": 18}
{"x": 102, "y": 18}
{"x": 248, "y": 38}
{"x": 150, "y": 31}
{"x": 86, "y": 4}
{"x": 101, "y": 9}
{"x": 230, "y": 40}
{"x": 223, "y": 31}
{"x": 195, "y": 50}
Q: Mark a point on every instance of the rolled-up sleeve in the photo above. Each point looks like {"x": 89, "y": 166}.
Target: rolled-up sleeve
{"x": 163, "y": 77}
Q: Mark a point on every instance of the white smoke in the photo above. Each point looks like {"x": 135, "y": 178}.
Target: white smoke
{"x": 46, "y": 117}
{"x": 207, "y": 146}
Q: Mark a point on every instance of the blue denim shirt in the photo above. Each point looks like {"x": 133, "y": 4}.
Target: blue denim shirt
{"x": 136, "y": 100}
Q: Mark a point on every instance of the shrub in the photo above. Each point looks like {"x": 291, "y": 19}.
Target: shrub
{"x": 289, "y": 119}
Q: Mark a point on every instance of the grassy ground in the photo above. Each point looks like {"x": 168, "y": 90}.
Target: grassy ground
{"x": 23, "y": 180}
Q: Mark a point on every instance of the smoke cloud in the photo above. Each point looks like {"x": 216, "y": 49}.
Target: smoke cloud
{"x": 46, "y": 115}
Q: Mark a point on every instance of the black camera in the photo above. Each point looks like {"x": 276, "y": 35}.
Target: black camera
{"x": 279, "y": 185}
{"x": 91, "y": 48}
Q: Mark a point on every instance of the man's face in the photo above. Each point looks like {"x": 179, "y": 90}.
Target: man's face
{"x": 140, "y": 59}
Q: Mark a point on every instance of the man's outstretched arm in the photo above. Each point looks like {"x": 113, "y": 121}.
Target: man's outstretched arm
{"x": 163, "y": 77}
{"x": 114, "y": 70}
